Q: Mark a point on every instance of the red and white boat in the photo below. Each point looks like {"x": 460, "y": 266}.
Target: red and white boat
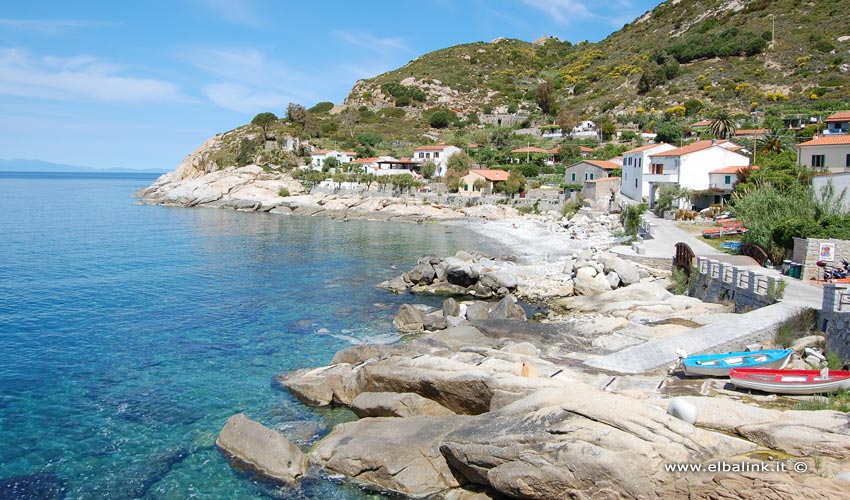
{"x": 790, "y": 381}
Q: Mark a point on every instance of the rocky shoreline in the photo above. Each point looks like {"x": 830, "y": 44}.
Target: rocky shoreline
{"x": 483, "y": 403}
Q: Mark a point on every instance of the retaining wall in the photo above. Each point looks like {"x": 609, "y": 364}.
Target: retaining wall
{"x": 806, "y": 252}
{"x": 835, "y": 318}
{"x": 718, "y": 281}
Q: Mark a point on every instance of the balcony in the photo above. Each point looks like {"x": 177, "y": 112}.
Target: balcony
{"x": 661, "y": 178}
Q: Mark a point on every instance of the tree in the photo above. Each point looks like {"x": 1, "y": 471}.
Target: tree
{"x": 349, "y": 118}
{"x": 442, "y": 118}
{"x": 722, "y": 125}
{"x": 545, "y": 96}
{"x": 515, "y": 183}
{"x": 500, "y": 138}
{"x": 693, "y": 106}
{"x": 264, "y": 121}
{"x": 609, "y": 129}
{"x": 567, "y": 120}
{"x": 461, "y": 162}
{"x": 453, "y": 179}
{"x": 330, "y": 163}
{"x": 429, "y": 168}
{"x": 296, "y": 113}
{"x": 669, "y": 132}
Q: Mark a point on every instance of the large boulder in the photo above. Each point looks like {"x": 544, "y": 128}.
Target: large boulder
{"x": 460, "y": 272}
{"x": 624, "y": 269}
{"x": 451, "y": 308}
{"x": 507, "y": 308}
{"x": 423, "y": 273}
{"x": 588, "y": 282}
{"x": 263, "y": 450}
{"x": 397, "y": 455}
{"x": 391, "y": 404}
{"x": 499, "y": 278}
{"x": 409, "y": 319}
{"x": 338, "y": 383}
{"x": 579, "y": 442}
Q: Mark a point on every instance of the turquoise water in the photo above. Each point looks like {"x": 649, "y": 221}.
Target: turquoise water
{"x": 129, "y": 333}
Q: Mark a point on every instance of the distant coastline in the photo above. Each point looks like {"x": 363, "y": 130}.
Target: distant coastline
{"x": 40, "y": 166}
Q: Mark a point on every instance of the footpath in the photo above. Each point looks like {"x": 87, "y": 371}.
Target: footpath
{"x": 735, "y": 331}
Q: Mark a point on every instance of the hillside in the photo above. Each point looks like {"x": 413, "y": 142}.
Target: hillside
{"x": 717, "y": 51}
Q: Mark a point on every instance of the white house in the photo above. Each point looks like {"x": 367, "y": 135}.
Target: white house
{"x": 438, "y": 153}
{"x": 839, "y": 123}
{"x": 831, "y": 153}
{"x": 635, "y": 166}
{"x": 689, "y": 166}
{"x": 319, "y": 156}
{"x": 723, "y": 179}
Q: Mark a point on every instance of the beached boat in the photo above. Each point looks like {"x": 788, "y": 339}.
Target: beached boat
{"x": 790, "y": 381}
{"x": 718, "y": 365}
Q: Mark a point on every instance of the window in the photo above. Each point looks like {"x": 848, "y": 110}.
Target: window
{"x": 847, "y": 161}
{"x": 636, "y": 183}
{"x": 588, "y": 176}
{"x": 657, "y": 168}
{"x": 421, "y": 154}
{"x": 727, "y": 179}
{"x": 639, "y": 161}
{"x": 436, "y": 154}
{"x": 629, "y": 161}
{"x": 573, "y": 176}
{"x": 818, "y": 161}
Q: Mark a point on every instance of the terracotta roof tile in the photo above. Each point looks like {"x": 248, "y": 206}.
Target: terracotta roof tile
{"x": 732, "y": 170}
{"x": 607, "y": 165}
{"x": 696, "y": 146}
{"x": 832, "y": 140}
{"x": 492, "y": 175}
{"x": 644, "y": 148}
{"x": 435, "y": 147}
{"x": 841, "y": 116}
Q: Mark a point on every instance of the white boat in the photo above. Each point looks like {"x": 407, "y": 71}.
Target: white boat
{"x": 791, "y": 381}
{"x": 718, "y": 365}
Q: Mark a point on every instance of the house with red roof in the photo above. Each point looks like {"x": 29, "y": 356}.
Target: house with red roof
{"x": 689, "y": 167}
{"x": 636, "y": 166}
{"x": 588, "y": 170}
{"x": 838, "y": 123}
{"x": 830, "y": 153}
{"x": 481, "y": 181}
{"x": 437, "y": 153}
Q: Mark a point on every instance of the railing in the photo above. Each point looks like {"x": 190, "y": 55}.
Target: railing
{"x": 645, "y": 230}
{"x": 684, "y": 257}
{"x": 755, "y": 252}
{"x": 737, "y": 278}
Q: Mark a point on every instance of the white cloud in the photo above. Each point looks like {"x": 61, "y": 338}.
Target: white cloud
{"x": 372, "y": 42}
{"x": 78, "y": 78}
{"x": 243, "y": 99}
{"x": 251, "y": 82}
{"x": 49, "y": 26}
{"x": 562, "y": 11}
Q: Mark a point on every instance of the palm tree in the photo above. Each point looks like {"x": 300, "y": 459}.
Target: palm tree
{"x": 722, "y": 125}
{"x": 774, "y": 141}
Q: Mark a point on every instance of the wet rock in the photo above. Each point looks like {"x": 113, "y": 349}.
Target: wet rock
{"x": 395, "y": 285}
{"x": 263, "y": 450}
{"x": 423, "y": 273}
{"x": 391, "y": 404}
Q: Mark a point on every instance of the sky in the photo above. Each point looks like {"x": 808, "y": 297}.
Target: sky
{"x": 114, "y": 84}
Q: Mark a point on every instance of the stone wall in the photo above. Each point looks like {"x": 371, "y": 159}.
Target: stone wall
{"x": 806, "y": 253}
{"x": 718, "y": 281}
{"x": 835, "y": 318}
{"x": 599, "y": 190}
{"x": 502, "y": 120}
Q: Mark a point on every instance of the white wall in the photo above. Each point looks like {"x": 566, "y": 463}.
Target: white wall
{"x": 719, "y": 180}
{"x": 835, "y": 157}
{"x": 840, "y": 182}
{"x": 695, "y": 167}
{"x": 634, "y": 185}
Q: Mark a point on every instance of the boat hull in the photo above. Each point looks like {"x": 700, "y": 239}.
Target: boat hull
{"x": 798, "y": 382}
{"x": 719, "y": 365}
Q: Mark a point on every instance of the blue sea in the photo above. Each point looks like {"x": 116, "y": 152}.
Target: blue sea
{"x": 129, "y": 334}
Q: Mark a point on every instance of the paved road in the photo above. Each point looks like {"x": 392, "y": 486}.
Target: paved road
{"x": 659, "y": 353}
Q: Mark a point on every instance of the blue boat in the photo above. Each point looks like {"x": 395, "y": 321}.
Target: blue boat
{"x": 718, "y": 365}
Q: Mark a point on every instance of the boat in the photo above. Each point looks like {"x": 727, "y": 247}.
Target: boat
{"x": 790, "y": 381}
{"x": 718, "y": 365}
{"x": 718, "y": 232}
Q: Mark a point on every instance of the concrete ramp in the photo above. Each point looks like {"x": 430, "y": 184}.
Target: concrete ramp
{"x": 724, "y": 336}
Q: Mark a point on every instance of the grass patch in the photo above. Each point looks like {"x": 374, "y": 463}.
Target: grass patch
{"x": 798, "y": 326}
{"x": 839, "y": 401}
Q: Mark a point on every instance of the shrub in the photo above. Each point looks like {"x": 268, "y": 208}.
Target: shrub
{"x": 283, "y": 192}
{"x": 795, "y": 327}
{"x": 630, "y": 218}
{"x": 442, "y": 118}
{"x": 322, "y": 107}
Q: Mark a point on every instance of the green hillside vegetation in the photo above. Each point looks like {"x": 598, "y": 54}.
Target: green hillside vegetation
{"x": 673, "y": 66}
